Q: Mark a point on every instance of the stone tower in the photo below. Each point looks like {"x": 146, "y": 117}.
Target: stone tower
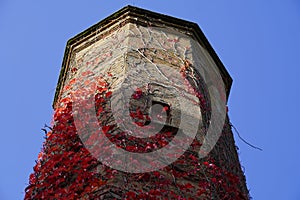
{"x": 140, "y": 113}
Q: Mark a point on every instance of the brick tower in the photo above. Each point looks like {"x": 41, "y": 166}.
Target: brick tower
{"x": 140, "y": 113}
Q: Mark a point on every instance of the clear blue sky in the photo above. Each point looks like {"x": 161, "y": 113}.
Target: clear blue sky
{"x": 258, "y": 42}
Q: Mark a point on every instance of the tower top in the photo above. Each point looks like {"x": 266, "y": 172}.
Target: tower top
{"x": 142, "y": 17}
{"x": 140, "y": 112}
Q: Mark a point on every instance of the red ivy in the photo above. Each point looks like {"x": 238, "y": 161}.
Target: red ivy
{"x": 66, "y": 170}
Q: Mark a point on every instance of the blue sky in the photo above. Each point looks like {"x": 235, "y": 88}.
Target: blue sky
{"x": 257, "y": 41}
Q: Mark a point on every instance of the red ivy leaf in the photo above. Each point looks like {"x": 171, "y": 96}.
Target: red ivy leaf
{"x": 108, "y": 94}
{"x": 105, "y": 129}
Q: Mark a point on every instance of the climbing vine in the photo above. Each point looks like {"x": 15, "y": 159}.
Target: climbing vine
{"x": 65, "y": 169}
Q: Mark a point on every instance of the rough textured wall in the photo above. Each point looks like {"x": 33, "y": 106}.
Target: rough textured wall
{"x": 131, "y": 119}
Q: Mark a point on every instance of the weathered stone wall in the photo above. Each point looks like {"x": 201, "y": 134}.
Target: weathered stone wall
{"x": 135, "y": 111}
{"x": 152, "y": 60}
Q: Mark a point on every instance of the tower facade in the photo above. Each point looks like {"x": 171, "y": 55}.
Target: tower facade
{"x": 140, "y": 113}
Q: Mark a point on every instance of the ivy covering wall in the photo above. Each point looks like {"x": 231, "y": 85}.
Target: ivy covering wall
{"x": 169, "y": 66}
